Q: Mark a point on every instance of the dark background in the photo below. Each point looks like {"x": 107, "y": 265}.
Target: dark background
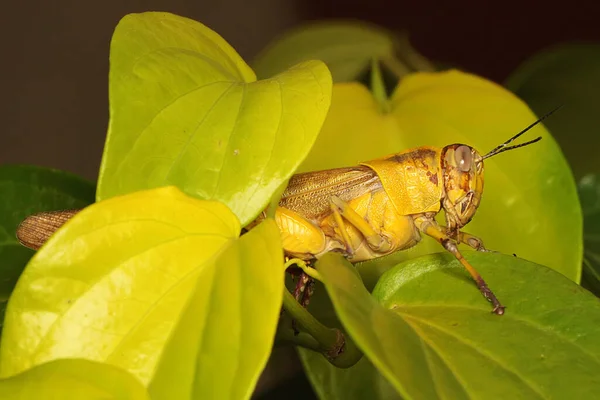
{"x": 53, "y": 74}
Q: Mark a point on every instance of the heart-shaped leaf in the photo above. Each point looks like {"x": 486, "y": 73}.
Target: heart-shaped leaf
{"x": 100, "y": 284}
{"x": 226, "y": 332}
{"x": 431, "y": 333}
{"x": 187, "y": 111}
{"x": 529, "y": 205}
{"x": 25, "y": 191}
{"x": 114, "y": 285}
{"x": 73, "y": 379}
{"x": 567, "y": 74}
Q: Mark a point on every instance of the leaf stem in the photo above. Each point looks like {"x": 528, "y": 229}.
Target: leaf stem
{"x": 302, "y": 339}
{"x": 339, "y": 349}
{"x": 378, "y": 87}
{"x": 396, "y": 67}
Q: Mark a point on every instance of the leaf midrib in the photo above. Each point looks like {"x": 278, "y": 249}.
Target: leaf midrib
{"x": 528, "y": 322}
{"x": 459, "y": 338}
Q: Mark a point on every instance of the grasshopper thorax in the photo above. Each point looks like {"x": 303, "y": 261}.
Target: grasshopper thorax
{"x": 462, "y": 172}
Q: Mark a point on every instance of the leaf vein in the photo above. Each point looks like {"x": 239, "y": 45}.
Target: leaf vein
{"x": 101, "y": 278}
{"x": 522, "y": 320}
{"x": 143, "y": 131}
{"x": 467, "y": 343}
{"x": 194, "y": 132}
{"x": 230, "y": 138}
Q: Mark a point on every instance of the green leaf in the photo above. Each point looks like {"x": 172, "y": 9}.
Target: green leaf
{"x": 111, "y": 284}
{"x": 361, "y": 381}
{"x": 73, "y": 379}
{"x": 567, "y": 74}
{"x": 589, "y": 195}
{"x": 355, "y": 130}
{"x": 346, "y": 47}
{"x": 187, "y": 111}
{"x": 25, "y": 191}
{"x": 529, "y": 205}
{"x": 156, "y": 283}
{"x": 330, "y": 382}
{"x": 225, "y": 335}
{"x": 358, "y": 382}
{"x": 431, "y": 333}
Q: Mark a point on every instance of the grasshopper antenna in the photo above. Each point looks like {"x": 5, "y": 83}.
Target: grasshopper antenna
{"x": 503, "y": 148}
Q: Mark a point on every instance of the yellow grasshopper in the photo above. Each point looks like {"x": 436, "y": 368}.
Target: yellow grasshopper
{"x": 367, "y": 211}
{"x": 384, "y": 205}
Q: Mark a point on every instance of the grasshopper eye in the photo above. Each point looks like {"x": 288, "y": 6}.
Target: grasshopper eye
{"x": 463, "y": 158}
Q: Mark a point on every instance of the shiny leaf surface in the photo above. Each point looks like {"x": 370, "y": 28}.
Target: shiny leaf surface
{"x": 185, "y": 110}
{"x": 225, "y": 334}
{"x": 73, "y": 379}
{"x": 111, "y": 284}
{"x": 431, "y": 333}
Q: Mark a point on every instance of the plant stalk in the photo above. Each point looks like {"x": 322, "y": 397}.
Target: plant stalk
{"x": 378, "y": 87}
{"x": 339, "y": 349}
{"x": 288, "y": 336}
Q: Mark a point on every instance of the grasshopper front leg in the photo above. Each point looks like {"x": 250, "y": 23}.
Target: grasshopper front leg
{"x": 470, "y": 240}
{"x": 429, "y": 227}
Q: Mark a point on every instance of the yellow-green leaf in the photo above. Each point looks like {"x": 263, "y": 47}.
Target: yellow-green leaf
{"x": 529, "y": 205}
{"x": 185, "y": 110}
{"x": 158, "y": 284}
{"x": 226, "y": 332}
{"x": 111, "y": 284}
{"x": 355, "y": 130}
{"x": 73, "y": 379}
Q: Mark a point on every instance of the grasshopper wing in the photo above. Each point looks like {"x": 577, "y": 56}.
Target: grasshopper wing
{"x": 309, "y": 193}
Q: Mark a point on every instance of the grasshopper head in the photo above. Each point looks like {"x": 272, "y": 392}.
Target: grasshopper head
{"x": 462, "y": 169}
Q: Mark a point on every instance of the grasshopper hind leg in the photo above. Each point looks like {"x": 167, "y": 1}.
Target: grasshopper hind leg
{"x": 304, "y": 287}
{"x": 302, "y": 293}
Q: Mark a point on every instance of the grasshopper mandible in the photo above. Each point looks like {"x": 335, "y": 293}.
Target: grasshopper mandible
{"x": 370, "y": 210}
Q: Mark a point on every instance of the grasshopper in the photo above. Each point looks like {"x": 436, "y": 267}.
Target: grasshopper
{"x": 367, "y": 211}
